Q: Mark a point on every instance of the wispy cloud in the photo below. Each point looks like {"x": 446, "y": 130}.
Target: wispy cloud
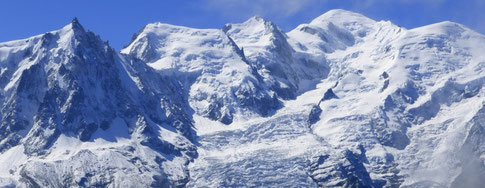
{"x": 265, "y": 8}
{"x": 372, "y": 4}
{"x": 286, "y": 8}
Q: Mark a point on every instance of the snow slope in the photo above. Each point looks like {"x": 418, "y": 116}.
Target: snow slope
{"x": 342, "y": 101}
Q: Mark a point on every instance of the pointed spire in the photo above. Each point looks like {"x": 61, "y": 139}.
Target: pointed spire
{"x": 76, "y": 25}
{"x": 75, "y": 21}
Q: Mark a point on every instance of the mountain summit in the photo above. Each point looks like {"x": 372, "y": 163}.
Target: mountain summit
{"x": 342, "y": 101}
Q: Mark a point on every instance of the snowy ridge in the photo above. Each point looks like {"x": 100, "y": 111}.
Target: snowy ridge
{"x": 342, "y": 101}
{"x": 266, "y": 48}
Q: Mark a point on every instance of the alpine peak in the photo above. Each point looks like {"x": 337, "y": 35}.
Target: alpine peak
{"x": 76, "y": 26}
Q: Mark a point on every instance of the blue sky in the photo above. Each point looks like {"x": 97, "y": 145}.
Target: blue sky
{"x": 118, "y": 20}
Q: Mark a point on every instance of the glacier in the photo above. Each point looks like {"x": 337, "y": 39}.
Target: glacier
{"x": 342, "y": 101}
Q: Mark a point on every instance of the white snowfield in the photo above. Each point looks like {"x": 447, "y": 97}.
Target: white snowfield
{"x": 343, "y": 101}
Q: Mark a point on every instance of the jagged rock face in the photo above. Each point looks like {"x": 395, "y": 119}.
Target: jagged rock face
{"x": 69, "y": 83}
{"x": 222, "y": 84}
{"x": 343, "y": 101}
{"x": 348, "y": 172}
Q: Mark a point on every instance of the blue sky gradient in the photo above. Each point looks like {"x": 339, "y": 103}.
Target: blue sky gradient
{"x": 118, "y": 20}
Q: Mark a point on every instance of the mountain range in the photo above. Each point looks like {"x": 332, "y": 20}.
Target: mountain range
{"x": 342, "y": 101}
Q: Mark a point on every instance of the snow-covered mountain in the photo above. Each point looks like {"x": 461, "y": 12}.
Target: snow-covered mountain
{"x": 76, "y": 113}
{"x": 220, "y": 81}
{"x": 343, "y": 101}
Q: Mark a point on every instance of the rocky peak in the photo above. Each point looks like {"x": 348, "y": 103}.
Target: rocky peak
{"x": 76, "y": 25}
